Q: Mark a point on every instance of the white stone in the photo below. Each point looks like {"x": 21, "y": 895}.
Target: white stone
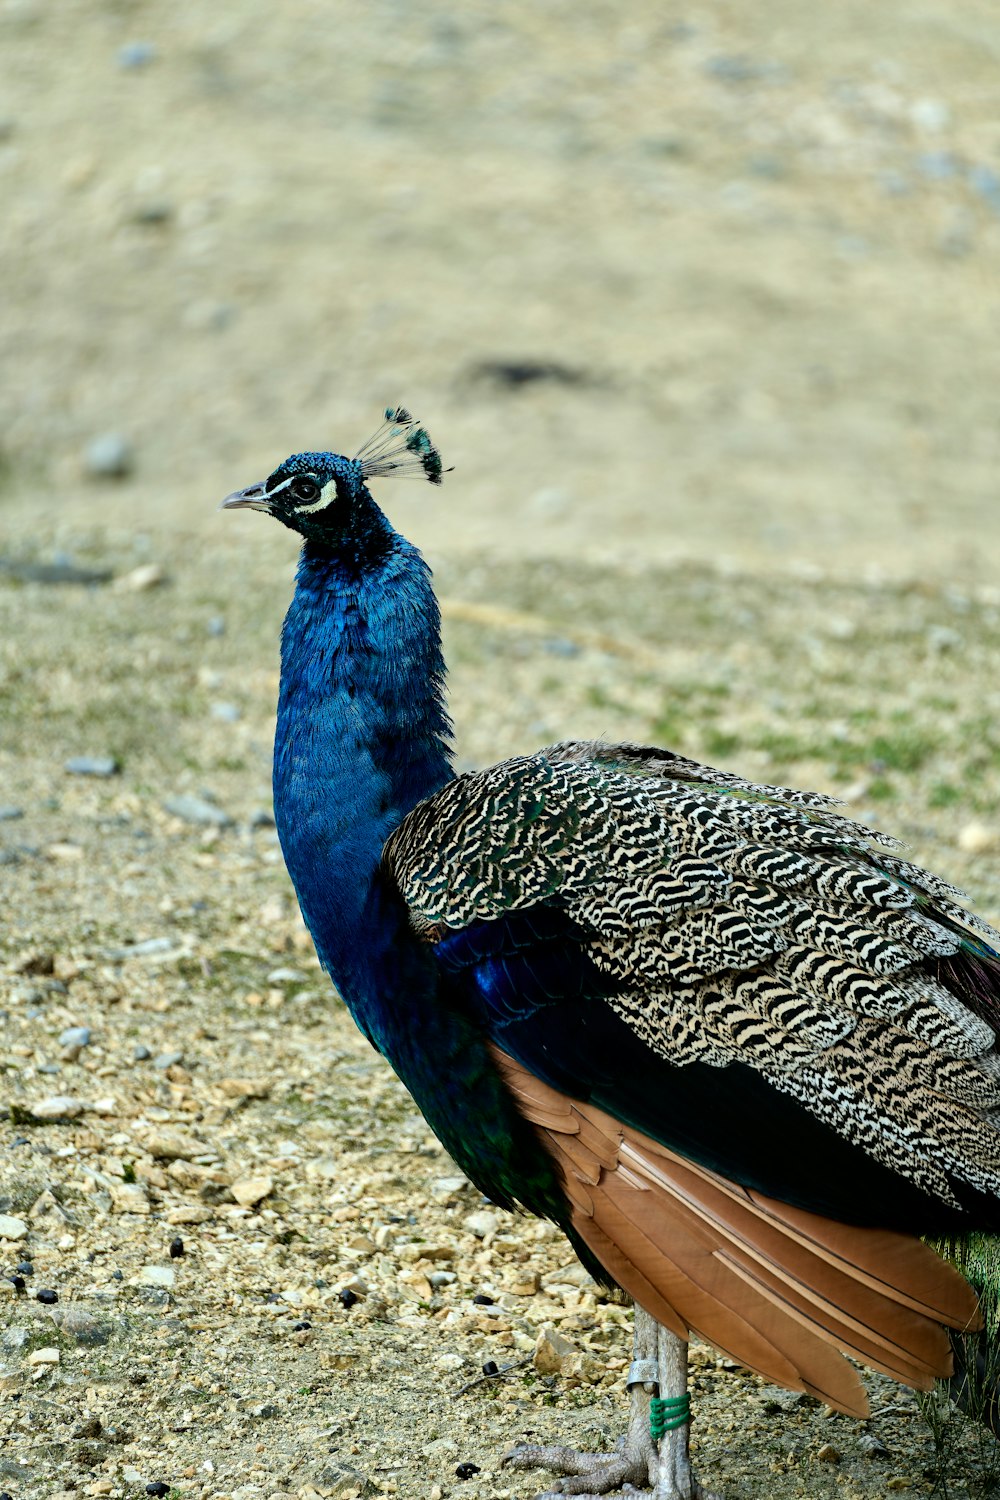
{"x": 553, "y": 1352}
{"x": 172, "y": 1145}
{"x": 481, "y": 1223}
{"x": 250, "y": 1190}
{"x": 12, "y": 1228}
{"x": 157, "y": 1276}
{"x": 978, "y": 838}
{"x": 58, "y": 1107}
{"x": 129, "y": 1198}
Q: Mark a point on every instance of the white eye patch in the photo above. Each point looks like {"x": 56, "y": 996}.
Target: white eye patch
{"x": 327, "y": 496}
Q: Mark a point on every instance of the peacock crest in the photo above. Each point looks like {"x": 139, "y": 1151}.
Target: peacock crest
{"x": 400, "y": 446}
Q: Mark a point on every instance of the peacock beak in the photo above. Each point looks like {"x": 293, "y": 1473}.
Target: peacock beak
{"x": 254, "y": 497}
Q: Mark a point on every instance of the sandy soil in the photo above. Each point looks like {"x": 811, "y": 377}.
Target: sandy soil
{"x": 702, "y": 306}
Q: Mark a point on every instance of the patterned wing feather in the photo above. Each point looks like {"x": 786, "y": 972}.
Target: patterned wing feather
{"x": 738, "y": 924}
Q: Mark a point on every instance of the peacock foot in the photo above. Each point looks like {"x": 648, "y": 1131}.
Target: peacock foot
{"x": 630, "y": 1470}
{"x": 658, "y": 1467}
{"x": 633, "y": 1468}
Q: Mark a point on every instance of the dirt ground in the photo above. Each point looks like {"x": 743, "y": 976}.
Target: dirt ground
{"x": 702, "y": 305}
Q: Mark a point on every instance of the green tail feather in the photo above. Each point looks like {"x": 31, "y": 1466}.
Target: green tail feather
{"x": 975, "y": 1385}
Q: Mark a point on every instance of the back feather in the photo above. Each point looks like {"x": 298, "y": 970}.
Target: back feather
{"x": 730, "y": 923}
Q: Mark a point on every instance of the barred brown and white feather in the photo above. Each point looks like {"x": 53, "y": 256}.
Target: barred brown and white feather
{"x": 734, "y": 923}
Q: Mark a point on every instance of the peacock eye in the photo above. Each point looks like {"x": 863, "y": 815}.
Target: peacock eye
{"x": 305, "y": 489}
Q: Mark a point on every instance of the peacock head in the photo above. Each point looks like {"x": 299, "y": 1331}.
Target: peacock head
{"x": 325, "y": 495}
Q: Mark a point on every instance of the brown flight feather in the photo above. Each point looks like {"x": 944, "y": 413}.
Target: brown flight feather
{"x": 779, "y": 1289}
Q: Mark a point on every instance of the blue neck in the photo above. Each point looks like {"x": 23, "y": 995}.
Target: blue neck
{"x": 362, "y": 736}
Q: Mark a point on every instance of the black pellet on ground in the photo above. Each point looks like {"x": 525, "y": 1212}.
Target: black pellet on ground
{"x": 300, "y": 1327}
{"x": 25, "y": 1268}
{"x": 176, "y": 1248}
{"x": 158, "y": 1488}
{"x": 491, "y": 1367}
{"x": 482, "y": 1300}
{"x": 347, "y": 1297}
{"x": 466, "y": 1471}
{"x": 17, "y": 1282}
{"x": 47, "y": 1295}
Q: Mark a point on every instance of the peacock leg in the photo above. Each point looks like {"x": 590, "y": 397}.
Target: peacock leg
{"x": 657, "y": 1358}
{"x": 675, "y": 1480}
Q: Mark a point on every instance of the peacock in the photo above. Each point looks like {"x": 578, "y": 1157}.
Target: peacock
{"x": 728, "y": 1040}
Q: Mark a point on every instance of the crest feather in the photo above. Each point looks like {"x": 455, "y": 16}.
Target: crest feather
{"x": 400, "y": 446}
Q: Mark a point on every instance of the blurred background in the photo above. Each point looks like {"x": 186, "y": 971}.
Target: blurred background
{"x": 664, "y": 280}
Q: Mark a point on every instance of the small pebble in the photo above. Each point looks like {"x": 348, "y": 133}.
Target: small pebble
{"x": 553, "y": 1352}
{"x": 146, "y": 576}
{"x": 25, "y": 1268}
{"x": 84, "y": 1326}
{"x": 164, "y": 1060}
{"x": 347, "y": 1297}
{"x": 161, "y": 1276}
{"x": 58, "y": 1107}
{"x": 558, "y": 646}
{"x": 108, "y": 457}
{"x": 12, "y": 1228}
{"x": 141, "y": 1053}
{"x": 216, "y": 626}
{"x": 92, "y": 765}
{"x": 176, "y": 1248}
{"x": 138, "y": 55}
{"x": 48, "y": 1356}
{"x": 872, "y": 1446}
{"x": 446, "y": 1187}
{"x": 466, "y": 1471}
{"x": 141, "y": 949}
{"x": 978, "y": 838}
{"x": 828, "y": 1454}
{"x": 173, "y": 1145}
{"x": 248, "y": 1191}
{"x": 198, "y": 811}
{"x": 75, "y": 1036}
{"x": 226, "y": 713}
{"x": 47, "y": 1295}
{"x": 8, "y": 812}
{"x": 491, "y": 1367}
{"x": 481, "y": 1224}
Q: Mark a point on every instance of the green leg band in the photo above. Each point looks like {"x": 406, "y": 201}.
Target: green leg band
{"x": 667, "y": 1413}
